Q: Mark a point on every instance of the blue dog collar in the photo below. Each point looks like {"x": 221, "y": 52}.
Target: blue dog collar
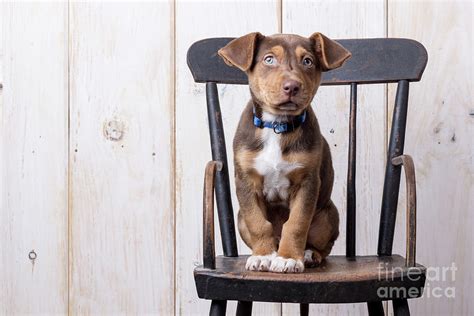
{"x": 280, "y": 127}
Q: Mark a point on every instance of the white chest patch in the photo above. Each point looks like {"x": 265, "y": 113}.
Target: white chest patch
{"x": 270, "y": 164}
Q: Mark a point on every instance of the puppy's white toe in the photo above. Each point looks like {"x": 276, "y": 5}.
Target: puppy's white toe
{"x": 308, "y": 256}
{"x": 259, "y": 263}
{"x": 252, "y": 263}
{"x": 265, "y": 262}
{"x": 312, "y": 258}
{"x": 286, "y": 265}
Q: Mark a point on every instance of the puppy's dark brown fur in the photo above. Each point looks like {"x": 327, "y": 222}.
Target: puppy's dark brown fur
{"x": 300, "y": 222}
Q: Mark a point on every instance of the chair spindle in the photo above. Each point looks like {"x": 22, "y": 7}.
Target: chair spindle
{"x": 351, "y": 176}
{"x": 223, "y": 197}
{"x": 391, "y": 186}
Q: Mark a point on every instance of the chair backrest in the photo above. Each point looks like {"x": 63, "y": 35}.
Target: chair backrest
{"x": 374, "y": 60}
{"x": 379, "y": 60}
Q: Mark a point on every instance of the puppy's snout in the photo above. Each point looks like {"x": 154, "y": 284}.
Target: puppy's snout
{"x": 291, "y": 87}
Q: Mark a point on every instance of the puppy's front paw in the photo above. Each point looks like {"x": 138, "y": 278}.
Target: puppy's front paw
{"x": 259, "y": 263}
{"x": 287, "y": 265}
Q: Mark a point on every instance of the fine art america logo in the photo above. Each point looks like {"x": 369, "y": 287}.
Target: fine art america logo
{"x": 442, "y": 277}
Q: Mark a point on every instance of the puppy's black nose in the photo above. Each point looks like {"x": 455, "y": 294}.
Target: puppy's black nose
{"x": 291, "y": 87}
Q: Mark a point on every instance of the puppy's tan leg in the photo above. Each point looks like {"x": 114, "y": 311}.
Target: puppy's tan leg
{"x": 257, "y": 233}
{"x": 295, "y": 231}
{"x": 323, "y": 231}
{"x": 254, "y": 227}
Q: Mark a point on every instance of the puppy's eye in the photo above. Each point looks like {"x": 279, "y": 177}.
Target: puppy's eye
{"x": 308, "y": 62}
{"x": 269, "y": 60}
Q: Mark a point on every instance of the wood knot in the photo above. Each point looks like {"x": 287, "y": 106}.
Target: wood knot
{"x": 114, "y": 130}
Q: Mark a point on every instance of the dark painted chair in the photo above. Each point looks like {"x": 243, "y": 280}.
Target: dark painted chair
{"x": 340, "y": 279}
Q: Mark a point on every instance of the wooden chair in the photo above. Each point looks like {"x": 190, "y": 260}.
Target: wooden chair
{"x": 340, "y": 279}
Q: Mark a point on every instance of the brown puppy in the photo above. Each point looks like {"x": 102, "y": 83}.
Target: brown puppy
{"x": 283, "y": 167}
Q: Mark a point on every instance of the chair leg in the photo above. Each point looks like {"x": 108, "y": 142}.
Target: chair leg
{"x": 400, "y": 307}
{"x": 218, "y": 308}
{"x": 375, "y": 308}
{"x": 304, "y": 309}
{"x": 244, "y": 308}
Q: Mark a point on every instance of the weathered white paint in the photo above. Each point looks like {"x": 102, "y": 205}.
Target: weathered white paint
{"x": 121, "y": 158}
{"x": 33, "y": 150}
{"x": 439, "y": 137}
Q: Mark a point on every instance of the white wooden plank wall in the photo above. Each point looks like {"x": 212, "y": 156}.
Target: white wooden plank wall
{"x": 121, "y": 165}
{"x": 103, "y": 142}
{"x": 439, "y": 137}
{"x": 33, "y": 147}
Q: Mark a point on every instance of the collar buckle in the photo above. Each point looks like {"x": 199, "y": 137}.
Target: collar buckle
{"x": 279, "y": 127}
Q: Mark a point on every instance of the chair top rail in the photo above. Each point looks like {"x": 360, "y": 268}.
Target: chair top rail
{"x": 374, "y": 60}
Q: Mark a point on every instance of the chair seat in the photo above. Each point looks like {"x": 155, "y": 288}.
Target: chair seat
{"x": 337, "y": 280}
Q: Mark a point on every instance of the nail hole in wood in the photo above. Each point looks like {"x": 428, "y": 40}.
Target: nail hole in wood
{"x": 32, "y": 255}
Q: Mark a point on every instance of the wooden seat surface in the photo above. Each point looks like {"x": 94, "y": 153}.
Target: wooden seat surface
{"x": 338, "y": 280}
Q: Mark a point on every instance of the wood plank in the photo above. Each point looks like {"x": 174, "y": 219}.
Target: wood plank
{"x": 121, "y": 147}
{"x": 1, "y": 56}
{"x": 439, "y": 137}
{"x": 342, "y": 19}
{"x": 195, "y": 21}
{"x": 33, "y": 159}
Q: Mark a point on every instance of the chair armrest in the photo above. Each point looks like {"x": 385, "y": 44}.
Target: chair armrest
{"x": 209, "y": 252}
{"x": 409, "y": 167}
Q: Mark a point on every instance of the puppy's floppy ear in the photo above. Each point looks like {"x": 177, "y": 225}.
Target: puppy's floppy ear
{"x": 331, "y": 54}
{"x": 240, "y": 51}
